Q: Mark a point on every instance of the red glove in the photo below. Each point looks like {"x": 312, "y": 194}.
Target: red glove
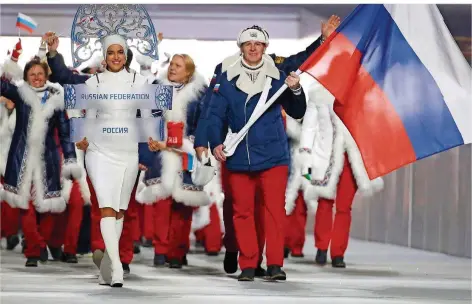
{"x": 175, "y": 134}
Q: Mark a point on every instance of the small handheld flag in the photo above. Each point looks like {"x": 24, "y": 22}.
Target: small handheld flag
{"x": 26, "y": 23}
{"x": 187, "y": 162}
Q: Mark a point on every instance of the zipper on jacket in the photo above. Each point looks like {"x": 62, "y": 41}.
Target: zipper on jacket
{"x": 247, "y": 135}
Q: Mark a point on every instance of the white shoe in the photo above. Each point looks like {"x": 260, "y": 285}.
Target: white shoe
{"x": 105, "y": 267}
{"x": 101, "y": 281}
{"x": 97, "y": 257}
{"x": 117, "y": 277}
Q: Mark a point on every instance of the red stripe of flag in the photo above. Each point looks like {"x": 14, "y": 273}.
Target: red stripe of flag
{"x": 22, "y": 26}
{"x": 362, "y": 106}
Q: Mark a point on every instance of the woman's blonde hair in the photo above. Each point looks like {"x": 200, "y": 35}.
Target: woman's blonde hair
{"x": 189, "y": 64}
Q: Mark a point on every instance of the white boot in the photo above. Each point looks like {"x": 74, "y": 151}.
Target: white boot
{"x": 105, "y": 269}
{"x": 97, "y": 257}
{"x": 119, "y": 228}
{"x": 117, "y": 277}
{"x": 108, "y": 228}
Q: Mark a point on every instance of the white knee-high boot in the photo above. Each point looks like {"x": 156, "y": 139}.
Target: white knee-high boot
{"x": 108, "y": 227}
{"x": 105, "y": 271}
{"x": 119, "y": 227}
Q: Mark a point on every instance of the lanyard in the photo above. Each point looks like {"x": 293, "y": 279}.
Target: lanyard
{"x": 45, "y": 97}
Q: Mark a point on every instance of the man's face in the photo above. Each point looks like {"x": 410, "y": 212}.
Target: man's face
{"x": 253, "y": 51}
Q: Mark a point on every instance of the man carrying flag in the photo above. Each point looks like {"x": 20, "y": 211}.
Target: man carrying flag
{"x": 287, "y": 65}
{"x": 402, "y": 90}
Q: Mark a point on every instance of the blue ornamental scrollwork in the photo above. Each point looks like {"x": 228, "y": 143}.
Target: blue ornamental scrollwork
{"x": 95, "y": 21}
{"x": 69, "y": 96}
{"x": 163, "y": 99}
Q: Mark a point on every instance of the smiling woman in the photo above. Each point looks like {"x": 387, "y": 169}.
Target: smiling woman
{"x": 35, "y": 73}
{"x": 105, "y": 173}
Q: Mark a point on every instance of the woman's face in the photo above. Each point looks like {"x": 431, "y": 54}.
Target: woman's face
{"x": 36, "y": 77}
{"x": 116, "y": 58}
{"x": 177, "y": 71}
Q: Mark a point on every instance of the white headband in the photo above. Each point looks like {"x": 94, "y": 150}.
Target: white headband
{"x": 114, "y": 39}
{"x": 253, "y": 34}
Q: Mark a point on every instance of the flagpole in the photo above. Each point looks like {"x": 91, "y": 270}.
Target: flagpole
{"x": 232, "y": 144}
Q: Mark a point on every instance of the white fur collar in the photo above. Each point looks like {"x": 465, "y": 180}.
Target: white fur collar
{"x": 55, "y": 101}
{"x": 229, "y": 61}
{"x": 235, "y": 69}
{"x": 181, "y": 98}
{"x": 245, "y": 83}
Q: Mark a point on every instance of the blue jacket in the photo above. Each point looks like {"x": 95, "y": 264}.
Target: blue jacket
{"x": 265, "y": 145}
{"x": 61, "y": 74}
{"x": 287, "y": 65}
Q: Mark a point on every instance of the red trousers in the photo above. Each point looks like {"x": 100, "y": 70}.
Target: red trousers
{"x": 10, "y": 218}
{"x": 146, "y": 221}
{"x": 162, "y": 216}
{"x": 211, "y": 234}
{"x": 337, "y": 234}
{"x": 179, "y": 231}
{"x": 129, "y": 227}
{"x": 36, "y": 237}
{"x": 295, "y": 230}
{"x": 199, "y": 235}
{"x": 272, "y": 184}
{"x": 229, "y": 240}
{"x": 67, "y": 225}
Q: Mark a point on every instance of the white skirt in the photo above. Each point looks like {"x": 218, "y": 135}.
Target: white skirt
{"x": 113, "y": 175}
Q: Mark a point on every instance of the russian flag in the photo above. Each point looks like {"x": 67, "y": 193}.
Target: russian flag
{"x": 401, "y": 83}
{"x": 26, "y": 23}
{"x": 187, "y": 162}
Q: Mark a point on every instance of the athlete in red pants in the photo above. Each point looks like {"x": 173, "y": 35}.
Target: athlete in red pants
{"x": 295, "y": 231}
{"x": 337, "y": 234}
{"x": 67, "y": 228}
{"x": 36, "y": 238}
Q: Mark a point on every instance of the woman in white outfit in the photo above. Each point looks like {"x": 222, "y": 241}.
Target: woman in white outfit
{"x": 112, "y": 166}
